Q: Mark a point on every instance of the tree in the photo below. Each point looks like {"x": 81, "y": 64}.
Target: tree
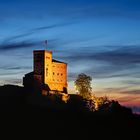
{"x": 83, "y": 85}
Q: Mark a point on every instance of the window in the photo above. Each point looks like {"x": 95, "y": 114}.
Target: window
{"x": 57, "y": 73}
{"x": 61, "y": 74}
{"x": 53, "y": 73}
{"x": 46, "y": 71}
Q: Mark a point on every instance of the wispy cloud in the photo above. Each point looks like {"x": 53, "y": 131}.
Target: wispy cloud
{"x": 17, "y": 45}
{"x": 114, "y": 61}
{"x": 132, "y": 92}
{"x": 62, "y": 24}
{"x": 122, "y": 55}
{"x": 18, "y": 41}
{"x": 8, "y": 67}
{"x": 115, "y": 55}
{"x": 13, "y": 81}
{"x": 37, "y": 29}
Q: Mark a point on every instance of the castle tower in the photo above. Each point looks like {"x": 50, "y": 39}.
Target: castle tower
{"x": 49, "y": 72}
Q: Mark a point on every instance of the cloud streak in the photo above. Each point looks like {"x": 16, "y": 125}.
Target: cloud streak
{"x": 42, "y": 28}
{"x": 17, "y": 45}
{"x": 115, "y": 55}
{"x": 18, "y": 41}
{"x": 8, "y": 67}
{"x": 13, "y": 81}
{"x": 37, "y": 29}
{"x": 125, "y": 55}
{"x": 114, "y": 60}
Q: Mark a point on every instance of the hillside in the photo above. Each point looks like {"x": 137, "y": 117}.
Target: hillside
{"x": 26, "y": 113}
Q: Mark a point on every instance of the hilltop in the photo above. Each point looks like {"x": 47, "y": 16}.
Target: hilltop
{"x": 24, "y": 110}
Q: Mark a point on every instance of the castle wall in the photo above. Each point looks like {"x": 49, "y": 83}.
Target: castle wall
{"x": 59, "y": 76}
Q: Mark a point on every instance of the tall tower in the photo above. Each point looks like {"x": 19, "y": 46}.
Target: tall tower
{"x": 47, "y": 67}
{"x": 50, "y": 72}
{"x": 43, "y": 66}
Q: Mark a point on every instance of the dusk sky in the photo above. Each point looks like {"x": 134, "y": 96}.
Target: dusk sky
{"x": 100, "y": 38}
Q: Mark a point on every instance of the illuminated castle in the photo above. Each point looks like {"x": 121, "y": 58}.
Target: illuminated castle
{"x": 49, "y": 75}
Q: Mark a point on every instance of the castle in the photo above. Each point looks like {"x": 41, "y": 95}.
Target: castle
{"x": 48, "y": 76}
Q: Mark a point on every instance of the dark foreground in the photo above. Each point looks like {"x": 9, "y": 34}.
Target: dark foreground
{"x": 26, "y": 115}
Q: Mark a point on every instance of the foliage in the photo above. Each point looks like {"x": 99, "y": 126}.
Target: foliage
{"x": 65, "y": 97}
{"x": 83, "y": 85}
{"x": 95, "y": 103}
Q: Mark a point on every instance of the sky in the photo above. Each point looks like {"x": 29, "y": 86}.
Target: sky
{"x": 100, "y": 38}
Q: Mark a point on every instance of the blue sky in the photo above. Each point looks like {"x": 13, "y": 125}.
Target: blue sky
{"x": 98, "y": 37}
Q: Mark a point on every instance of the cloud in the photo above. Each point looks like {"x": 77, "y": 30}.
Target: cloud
{"x": 132, "y": 83}
{"x": 112, "y": 61}
{"x": 17, "y": 45}
{"x": 115, "y": 55}
{"x": 131, "y": 92}
{"x": 136, "y": 109}
{"x": 122, "y": 55}
{"x": 37, "y": 29}
{"x": 11, "y": 71}
{"x": 18, "y": 41}
{"x": 13, "y": 81}
{"x": 53, "y": 26}
{"x": 8, "y": 67}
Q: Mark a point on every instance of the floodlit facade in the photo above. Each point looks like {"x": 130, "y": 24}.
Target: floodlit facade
{"x": 49, "y": 75}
